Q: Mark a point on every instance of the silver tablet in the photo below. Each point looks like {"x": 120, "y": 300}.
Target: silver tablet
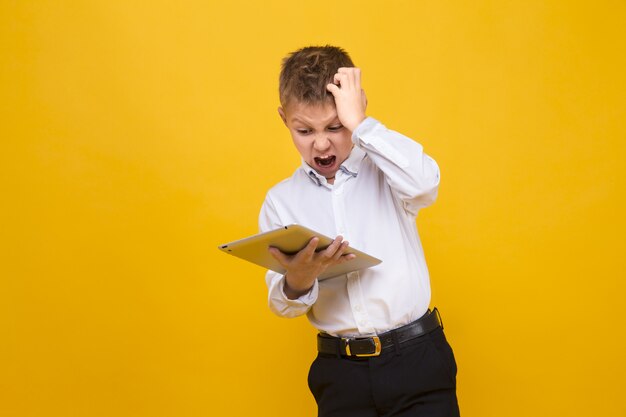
{"x": 291, "y": 239}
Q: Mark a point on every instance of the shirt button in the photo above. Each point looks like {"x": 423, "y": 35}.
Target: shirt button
{"x": 357, "y": 308}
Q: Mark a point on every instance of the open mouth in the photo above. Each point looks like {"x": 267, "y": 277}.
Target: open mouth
{"x": 324, "y": 161}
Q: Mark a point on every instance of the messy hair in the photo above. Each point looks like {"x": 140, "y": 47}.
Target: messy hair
{"x": 306, "y": 72}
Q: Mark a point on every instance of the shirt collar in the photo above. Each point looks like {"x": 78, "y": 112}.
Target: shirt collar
{"x": 349, "y": 167}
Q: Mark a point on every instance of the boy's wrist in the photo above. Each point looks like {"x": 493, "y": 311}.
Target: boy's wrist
{"x": 353, "y": 124}
{"x": 363, "y": 128}
{"x": 295, "y": 291}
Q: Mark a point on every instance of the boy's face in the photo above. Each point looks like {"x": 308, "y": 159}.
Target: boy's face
{"x": 319, "y": 136}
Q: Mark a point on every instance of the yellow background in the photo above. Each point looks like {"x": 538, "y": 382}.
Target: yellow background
{"x": 137, "y": 136}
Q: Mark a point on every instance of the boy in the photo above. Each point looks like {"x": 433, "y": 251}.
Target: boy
{"x": 382, "y": 352}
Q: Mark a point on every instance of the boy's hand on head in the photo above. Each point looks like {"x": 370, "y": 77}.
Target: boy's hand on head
{"x": 349, "y": 97}
{"x": 304, "y": 267}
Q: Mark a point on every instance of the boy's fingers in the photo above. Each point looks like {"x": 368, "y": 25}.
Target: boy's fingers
{"x": 345, "y": 80}
{"x": 347, "y": 257}
{"x": 279, "y": 256}
{"x": 333, "y": 89}
{"x": 333, "y": 248}
{"x": 352, "y": 74}
{"x": 341, "y": 250}
{"x": 344, "y": 258}
{"x": 337, "y": 78}
{"x": 309, "y": 249}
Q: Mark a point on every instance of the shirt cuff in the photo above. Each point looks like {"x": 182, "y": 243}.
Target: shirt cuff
{"x": 363, "y": 128}
{"x": 307, "y": 299}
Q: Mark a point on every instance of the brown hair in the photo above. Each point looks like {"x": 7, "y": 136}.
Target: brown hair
{"x": 306, "y": 72}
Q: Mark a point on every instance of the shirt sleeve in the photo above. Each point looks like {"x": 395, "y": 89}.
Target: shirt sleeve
{"x": 278, "y": 302}
{"x": 411, "y": 173}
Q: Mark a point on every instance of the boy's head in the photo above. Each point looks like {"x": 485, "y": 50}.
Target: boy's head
{"x": 306, "y": 72}
{"x": 308, "y": 108}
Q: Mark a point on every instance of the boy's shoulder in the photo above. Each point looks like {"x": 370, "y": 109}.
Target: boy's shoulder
{"x": 286, "y": 186}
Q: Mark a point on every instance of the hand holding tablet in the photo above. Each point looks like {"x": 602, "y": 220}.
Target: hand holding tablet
{"x": 304, "y": 267}
{"x": 290, "y": 240}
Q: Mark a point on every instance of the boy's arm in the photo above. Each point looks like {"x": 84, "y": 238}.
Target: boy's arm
{"x": 304, "y": 267}
{"x": 412, "y": 175}
{"x": 293, "y": 293}
{"x": 279, "y": 303}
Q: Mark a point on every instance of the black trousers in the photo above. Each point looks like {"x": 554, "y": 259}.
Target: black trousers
{"x": 416, "y": 379}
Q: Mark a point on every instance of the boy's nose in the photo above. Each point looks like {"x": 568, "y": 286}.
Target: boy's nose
{"x": 321, "y": 143}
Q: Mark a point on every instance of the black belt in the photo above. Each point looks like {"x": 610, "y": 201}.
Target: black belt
{"x": 373, "y": 346}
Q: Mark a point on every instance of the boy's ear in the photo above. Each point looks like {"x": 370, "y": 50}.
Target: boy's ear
{"x": 282, "y": 115}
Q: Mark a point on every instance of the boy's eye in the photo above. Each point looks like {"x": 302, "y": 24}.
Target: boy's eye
{"x": 303, "y": 131}
{"x": 335, "y": 128}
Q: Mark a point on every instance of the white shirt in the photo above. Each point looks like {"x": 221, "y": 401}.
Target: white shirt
{"x": 373, "y": 204}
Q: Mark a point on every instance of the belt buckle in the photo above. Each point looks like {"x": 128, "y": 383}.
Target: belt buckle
{"x": 377, "y": 348}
